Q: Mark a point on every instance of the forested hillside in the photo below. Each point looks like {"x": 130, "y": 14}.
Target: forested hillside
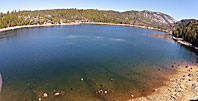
{"x": 189, "y": 32}
{"x": 12, "y": 19}
{"x": 141, "y": 18}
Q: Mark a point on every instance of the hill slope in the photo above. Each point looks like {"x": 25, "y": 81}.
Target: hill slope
{"x": 141, "y": 18}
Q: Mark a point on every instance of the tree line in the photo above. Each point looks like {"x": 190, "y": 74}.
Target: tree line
{"x": 58, "y": 16}
{"x": 188, "y": 32}
{"x": 11, "y": 19}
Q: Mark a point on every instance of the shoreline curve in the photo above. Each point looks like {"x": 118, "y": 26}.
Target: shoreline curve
{"x": 78, "y": 23}
{"x": 182, "y": 86}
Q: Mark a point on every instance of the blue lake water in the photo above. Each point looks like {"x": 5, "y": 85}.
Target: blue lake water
{"x": 120, "y": 60}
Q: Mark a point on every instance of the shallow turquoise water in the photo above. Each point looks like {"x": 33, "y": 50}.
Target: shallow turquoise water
{"x": 56, "y": 58}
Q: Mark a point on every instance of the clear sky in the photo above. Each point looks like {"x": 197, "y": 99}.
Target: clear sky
{"x": 179, "y": 9}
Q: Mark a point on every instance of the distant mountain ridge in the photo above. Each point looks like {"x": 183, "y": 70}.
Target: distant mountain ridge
{"x": 148, "y": 17}
{"x": 154, "y": 17}
{"x": 184, "y": 22}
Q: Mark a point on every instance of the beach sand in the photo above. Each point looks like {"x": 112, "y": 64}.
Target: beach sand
{"x": 182, "y": 86}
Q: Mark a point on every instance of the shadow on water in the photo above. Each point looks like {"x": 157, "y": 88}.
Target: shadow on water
{"x": 9, "y": 33}
{"x": 190, "y": 49}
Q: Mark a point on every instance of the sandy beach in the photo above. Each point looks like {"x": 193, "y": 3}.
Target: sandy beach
{"x": 182, "y": 86}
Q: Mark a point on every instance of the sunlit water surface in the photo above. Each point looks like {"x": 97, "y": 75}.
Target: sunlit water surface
{"x": 120, "y": 60}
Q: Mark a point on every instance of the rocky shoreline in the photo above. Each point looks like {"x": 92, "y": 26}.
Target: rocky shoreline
{"x": 182, "y": 86}
{"x": 181, "y": 41}
{"x": 77, "y": 23}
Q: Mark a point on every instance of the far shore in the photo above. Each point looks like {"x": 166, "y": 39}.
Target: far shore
{"x": 182, "y": 86}
{"x": 30, "y": 26}
{"x": 179, "y": 40}
{"x": 128, "y": 25}
{"x": 77, "y": 23}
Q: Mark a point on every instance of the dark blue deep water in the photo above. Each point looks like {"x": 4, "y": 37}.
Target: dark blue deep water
{"x": 120, "y": 60}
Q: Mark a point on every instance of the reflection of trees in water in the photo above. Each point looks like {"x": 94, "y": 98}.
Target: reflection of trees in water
{"x": 13, "y": 34}
{"x": 191, "y": 50}
{"x": 169, "y": 38}
{"x": 8, "y": 34}
{"x": 162, "y": 36}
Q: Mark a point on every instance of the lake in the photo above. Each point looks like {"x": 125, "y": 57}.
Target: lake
{"x": 85, "y": 62}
